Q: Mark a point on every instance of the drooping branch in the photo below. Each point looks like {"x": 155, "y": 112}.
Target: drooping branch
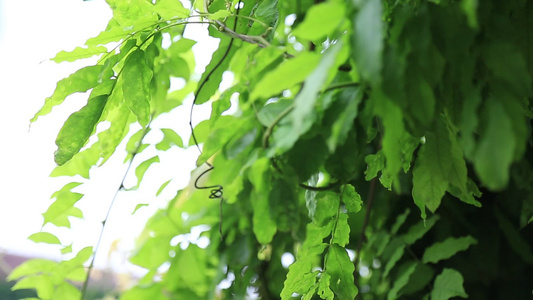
{"x": 104, "y": 222}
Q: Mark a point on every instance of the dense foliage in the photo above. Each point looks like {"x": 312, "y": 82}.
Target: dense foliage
{"x": 385, "y": 144}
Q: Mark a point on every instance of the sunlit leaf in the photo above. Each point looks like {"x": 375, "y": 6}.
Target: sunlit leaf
{"x": 63, "y": 207}
{"x": 79, "y": 81}
{"x": 44, "y": 237}
{"x": 219, "y": 15}
{"x": 140, "y": 205}
{"x": 66, "y": 291}
{"x": 143, "y": 167}
{"x": 136, "y": 77}
{"x": 286, "y": 75}
{"x": 300, "y": 278}
{"x": 170, "y": 138}
{"x": 323, "y": 287}
{"x": 341, "y": 236}
{"x": 341, "y": 269}
{"x": 215, "y": 75}
{"x": 352, "y": 200}
{"x": 32, "y": 267}
{"x": 77, "y": 129}
{"x": 320, "y": 20}
{"x": 79, "y": 53}
{"x": 169, "y": 9}
{"x": 43, "y": 284}
{"x": 162, "y": 187}
{"x": 152, "y": 253}
{"x": 304, "y": 103}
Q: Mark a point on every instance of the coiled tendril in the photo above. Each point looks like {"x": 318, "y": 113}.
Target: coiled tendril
{"x": 217, "y": 191}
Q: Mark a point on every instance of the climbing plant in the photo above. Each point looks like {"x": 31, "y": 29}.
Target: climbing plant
{"x": 385, "y": 145}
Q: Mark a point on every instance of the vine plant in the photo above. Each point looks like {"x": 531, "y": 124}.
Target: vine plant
{"x": 386, "y": 145}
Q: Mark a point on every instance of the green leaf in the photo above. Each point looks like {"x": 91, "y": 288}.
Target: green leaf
{"x": 59, "y": 211}
{"x": 327, "y": 205}
{"x": 66, "y": 249}
{"x": 458, "y": 174}
{"x": 320, "y": 21}
{"x": 119, "y": 119}
{"x": 432, "y": 169}
{"x": 272, "y": 110}
{"x": 44, "y": 237}
{"x": 470, "y": 10}
{"x": 286, "y": 75}
{"x": 376, "y": 163}
{"x": 304, "y": 162}
{"x": 162, "y": 187}
{"x": 344, "y": 123}
{"x": 32, "y": 266}
{"x": 201, "y": 132}
{"x": 301, "y": 278}
{"x": 79, "y": 53}
{"x": 447, "y": 285}
{"x": 341, "y": 236}
{"x": 400, "y": 220}
{"x": 197, "y": 277}
{"x": 393, "y": 253}
{"x": 352, "y": 200}
{"x": 43, "y": 284}
{"x": 136, "y": 76}
{"x": 401, "y": 281}
{"x": 133, "y": 13}
{"x": 153, "y": 253}
{"x": 169, "y": 9}
{"x": 153, "y": 292}
{"x": 221, "y": 134}
{"x": 77, "y": 129}
{"x": 112, "y": 34}
{"x": 219, "y": 15}
{"x": 80, "y": 164}
{"x": 142, "y": 168}
{"x": 341, "y": 269}
{"x": 170, "y": 137}
{"x": 508, "y": 64}
{"x": 79, "y": 81}
{"x": 447, "y": 248}
{"x": 66, "y": 291}
{"x": 494, "y": 153}
{"x": 212, "y": 75}
{"x": 264, "y": 225}
{"x": 368, "y": 40}
{"x": 134, "y": 143}
{"x": 139, "y": 206}
{"x": 304, "y": 111}
{"x": 392, "y": 141}
{"x": 418, "y": 230}
{"x": 323, "y": 287}
{"x": 517, "y": 242}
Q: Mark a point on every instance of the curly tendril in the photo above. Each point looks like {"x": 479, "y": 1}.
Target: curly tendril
{"x": 217, "y": 191}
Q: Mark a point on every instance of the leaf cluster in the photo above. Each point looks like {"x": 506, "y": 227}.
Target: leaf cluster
{"x": 347, "y": 117}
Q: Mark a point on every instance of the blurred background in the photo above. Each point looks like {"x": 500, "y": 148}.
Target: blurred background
{"x": 32, "y": 32}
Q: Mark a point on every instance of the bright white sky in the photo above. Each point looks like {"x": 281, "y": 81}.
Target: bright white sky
{"x": 31, "y": 32}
